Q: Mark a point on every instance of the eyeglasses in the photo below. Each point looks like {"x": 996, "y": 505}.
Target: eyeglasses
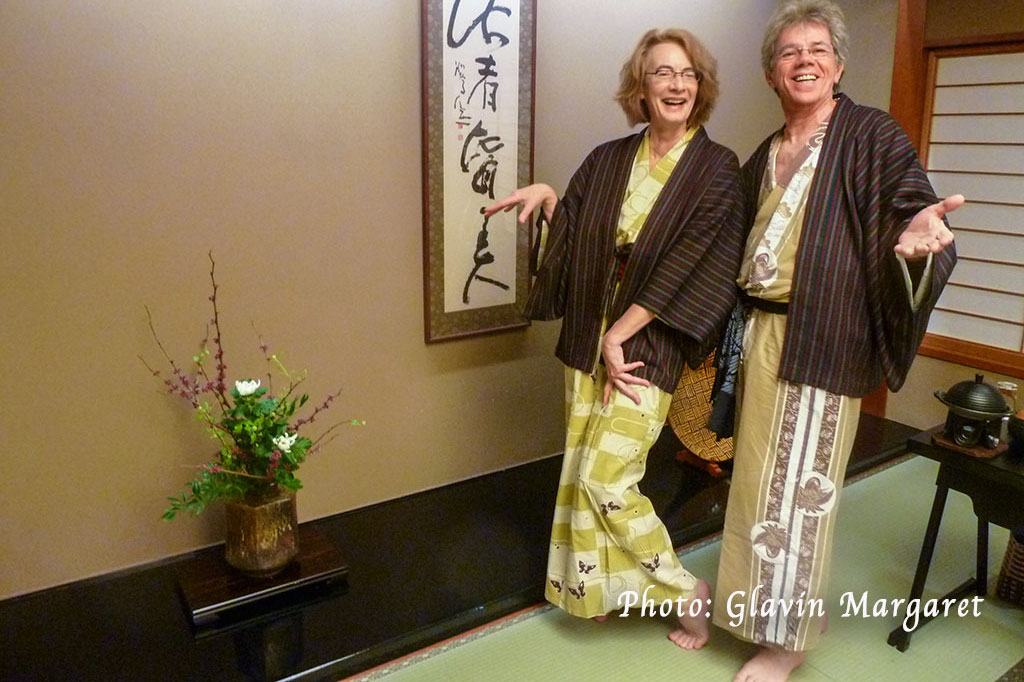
{"x": 817, "y": 52}
{"x": 665, "y": 74}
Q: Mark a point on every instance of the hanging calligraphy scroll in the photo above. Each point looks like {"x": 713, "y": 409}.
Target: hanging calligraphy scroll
{"x": 478, "y": 60}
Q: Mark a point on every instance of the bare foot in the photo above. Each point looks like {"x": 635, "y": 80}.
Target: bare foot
{"x": 770, "y": 665}
{"x": 693, "y": 630}
{"x": 599, "y": 619}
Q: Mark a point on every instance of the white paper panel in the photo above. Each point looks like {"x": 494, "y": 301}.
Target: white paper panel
{"x": 1004, "y": 306}
{"x": 979, "y": 99}
{"x": 991, "y": 84}
{"x": 990, "y": 68}
{"x": 978, "y": 128}
{"x": 998, "y": 334}
{"x": 988, "y": 217}
{"x": 1009, "y": 248}
{"x": 977, "y": 157}
{"x": 1001, "y": 188}
{"x": 479, "y": 134}
{"x": 990, "y": 275}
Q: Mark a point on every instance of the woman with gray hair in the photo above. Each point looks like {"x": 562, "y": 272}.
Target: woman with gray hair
{"x": 847, "y": 252}
{"x": 640, "y": 263}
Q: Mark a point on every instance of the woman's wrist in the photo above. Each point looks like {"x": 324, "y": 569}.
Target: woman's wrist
{"x": 611, "y": 340}
{"x": 548, "y": 203}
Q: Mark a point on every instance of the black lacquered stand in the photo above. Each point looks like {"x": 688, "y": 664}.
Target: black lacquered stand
{"x": 215, "y": 594}
{"x": 995, "y": 487}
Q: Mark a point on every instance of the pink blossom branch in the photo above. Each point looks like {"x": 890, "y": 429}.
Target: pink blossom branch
{"x": 292, "y": 382}
{"x": 318, "y": 446}
{"x": 265, "y": 349}
{"x": 319, "y": 438}
{"x": 215, "y": 469}
{"x": 186, "y": 390}
{"x": 221, "y": 385}
{"x": 318, "y": 409}
{"x": 210, "y": 386}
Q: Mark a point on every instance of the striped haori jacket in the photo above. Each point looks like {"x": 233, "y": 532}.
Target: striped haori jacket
{"x": 682, "y": 267}
{"x": 850, "y": 323}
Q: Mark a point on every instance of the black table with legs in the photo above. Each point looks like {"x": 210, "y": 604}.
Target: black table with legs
{"x": 996, "y": 488}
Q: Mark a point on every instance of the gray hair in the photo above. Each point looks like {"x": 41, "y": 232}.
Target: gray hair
{"x": 793, "y": 12}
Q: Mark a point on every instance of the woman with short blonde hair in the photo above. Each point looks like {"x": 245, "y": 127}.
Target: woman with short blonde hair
{"x": 640, "y": 264}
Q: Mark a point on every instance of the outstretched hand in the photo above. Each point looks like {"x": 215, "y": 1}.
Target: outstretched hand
{"x": 927, "y": 233}
{"x": 529, "y": 197}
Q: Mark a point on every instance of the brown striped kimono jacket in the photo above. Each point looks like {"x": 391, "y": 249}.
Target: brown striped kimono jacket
{"x": 849, "y": 323}
{"x": 682, "y": 268}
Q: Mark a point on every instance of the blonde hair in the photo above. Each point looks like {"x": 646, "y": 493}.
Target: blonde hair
{"x": 630, "y": 95}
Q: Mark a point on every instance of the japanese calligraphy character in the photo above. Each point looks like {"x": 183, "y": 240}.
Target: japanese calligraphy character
{"x": 490, "y": 90}
{"x": 481, "y": 257}
{"x": 481, "y": 21}
{"x": 488, "y": 143}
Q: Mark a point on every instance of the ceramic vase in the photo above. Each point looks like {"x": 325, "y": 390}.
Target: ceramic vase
{"x": 261, "y": 536}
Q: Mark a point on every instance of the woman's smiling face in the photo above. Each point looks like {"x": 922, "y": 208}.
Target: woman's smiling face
{"x": 669, "y": 101}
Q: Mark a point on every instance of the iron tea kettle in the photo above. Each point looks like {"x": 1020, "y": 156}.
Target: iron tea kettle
{"x": 976, "y": 411}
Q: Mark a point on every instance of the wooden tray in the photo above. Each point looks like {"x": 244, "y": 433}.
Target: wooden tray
{"x": 978, "y": 451}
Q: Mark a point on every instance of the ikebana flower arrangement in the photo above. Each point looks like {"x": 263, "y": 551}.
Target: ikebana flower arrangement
{"x": 260, "y": 446}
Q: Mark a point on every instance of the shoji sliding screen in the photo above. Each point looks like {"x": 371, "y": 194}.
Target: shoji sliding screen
{"x": 975, "y": 146}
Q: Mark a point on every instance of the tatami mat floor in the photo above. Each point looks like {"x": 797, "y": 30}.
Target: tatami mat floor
{"x": 881, "y": 524}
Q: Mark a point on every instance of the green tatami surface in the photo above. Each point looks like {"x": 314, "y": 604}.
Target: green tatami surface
{"x": 882, "y": 519}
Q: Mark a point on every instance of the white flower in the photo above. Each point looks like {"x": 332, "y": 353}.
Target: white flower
{"x": 247, "y": 387}
{"x": 284, "y": 443}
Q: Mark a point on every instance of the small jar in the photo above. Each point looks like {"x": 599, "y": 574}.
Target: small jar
{"x": 1009, "y": 392}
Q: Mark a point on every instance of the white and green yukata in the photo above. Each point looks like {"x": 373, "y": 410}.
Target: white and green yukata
{"x": 606, "y": 539}
{"x": 792, "y": 445}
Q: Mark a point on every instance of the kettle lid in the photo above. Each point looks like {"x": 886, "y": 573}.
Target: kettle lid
{"x": 975, "y": 399}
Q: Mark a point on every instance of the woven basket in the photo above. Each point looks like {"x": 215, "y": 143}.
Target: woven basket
{"x": 1011, "y": 577}
{"x": 688, "y": 414}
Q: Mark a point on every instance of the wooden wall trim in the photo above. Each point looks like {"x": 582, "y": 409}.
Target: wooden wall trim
{"x": 995, "y": 39}
{"x": 958, "y": 48}
{"x": 905, "y": 104}
{"x": 971, "y": 354}
{"x": 909, "y": 69}
{"x": 874, "y": 403}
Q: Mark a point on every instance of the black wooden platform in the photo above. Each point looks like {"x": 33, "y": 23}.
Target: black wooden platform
{"x": 214, "y": 594}
{"x": 421, "y": 568}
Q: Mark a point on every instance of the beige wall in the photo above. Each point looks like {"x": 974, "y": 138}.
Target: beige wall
{"x": 868, "y": 75}
{"x": 285, "y": 137}
{"x": 916, "y": 403}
